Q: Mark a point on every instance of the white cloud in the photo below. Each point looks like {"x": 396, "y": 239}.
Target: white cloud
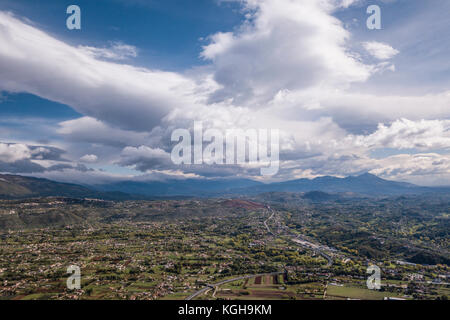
{"x": 422, "y": 169}
{"x": 283, "y": 45}
{"x": 130, "y": 97}
{"x": 289, "y": 59}
{"x": 89, "y": 158}
{"x": 91, "y": 130}
{"x": 379, "y": 50}
{"x": 10, "y": 153}
{"x": 407, "y": 134}
{"x": 117, "y": 51}
{"x": 359, "y": 111}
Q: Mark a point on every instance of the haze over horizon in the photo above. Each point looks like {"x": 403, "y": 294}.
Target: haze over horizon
{"x": 99, "y": 104}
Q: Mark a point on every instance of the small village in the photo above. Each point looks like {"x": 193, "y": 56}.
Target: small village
{"x": 167, "y": 255}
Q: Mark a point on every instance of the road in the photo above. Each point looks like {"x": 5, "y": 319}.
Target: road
{"x": 218, "y": 284}
{"x": 323, "y": 254}
{"x": 294, "y": 237}
{"x": 265, "y": 222}
{"x": 214, "y": 286}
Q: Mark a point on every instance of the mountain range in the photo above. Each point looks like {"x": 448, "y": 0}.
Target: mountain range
{"x": 14, "y": 186}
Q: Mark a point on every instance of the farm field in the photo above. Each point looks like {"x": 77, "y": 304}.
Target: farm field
{"x": 175, "y": 249}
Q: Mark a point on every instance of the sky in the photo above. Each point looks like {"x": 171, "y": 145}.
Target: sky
{"x": 100, "y": 104}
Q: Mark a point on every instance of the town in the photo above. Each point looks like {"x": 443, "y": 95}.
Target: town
{"x": 206, "y": 249}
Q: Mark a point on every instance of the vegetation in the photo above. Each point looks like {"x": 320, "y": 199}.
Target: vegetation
{"x": 320, "y": 247}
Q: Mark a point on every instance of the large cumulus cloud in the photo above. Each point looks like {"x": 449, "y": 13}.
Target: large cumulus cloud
{"x": 290, "y": 66}
{"x": 131, "y": 97}
{"x": 289, "y": 46}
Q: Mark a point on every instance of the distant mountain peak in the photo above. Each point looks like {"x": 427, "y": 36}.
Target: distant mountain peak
{"x": 14, "y": 186}
{"x": 369, "y": 176}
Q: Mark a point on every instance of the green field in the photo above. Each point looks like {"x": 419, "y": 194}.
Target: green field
{"x": 357, "y": 293}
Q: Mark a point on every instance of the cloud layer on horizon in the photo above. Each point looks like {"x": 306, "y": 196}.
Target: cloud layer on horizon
{"x": 290, "y": 66}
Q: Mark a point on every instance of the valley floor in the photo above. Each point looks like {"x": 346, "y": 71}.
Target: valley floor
{"x": 221, "y": 249}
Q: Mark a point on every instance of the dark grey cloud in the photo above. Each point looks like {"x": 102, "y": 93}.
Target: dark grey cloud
{"x": 21, "y": 166}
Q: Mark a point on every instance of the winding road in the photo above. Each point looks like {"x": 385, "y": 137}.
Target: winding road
{"x": 214, "y": 286}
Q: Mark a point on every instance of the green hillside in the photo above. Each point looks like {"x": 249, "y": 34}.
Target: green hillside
{"x": 14, "y": 187}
